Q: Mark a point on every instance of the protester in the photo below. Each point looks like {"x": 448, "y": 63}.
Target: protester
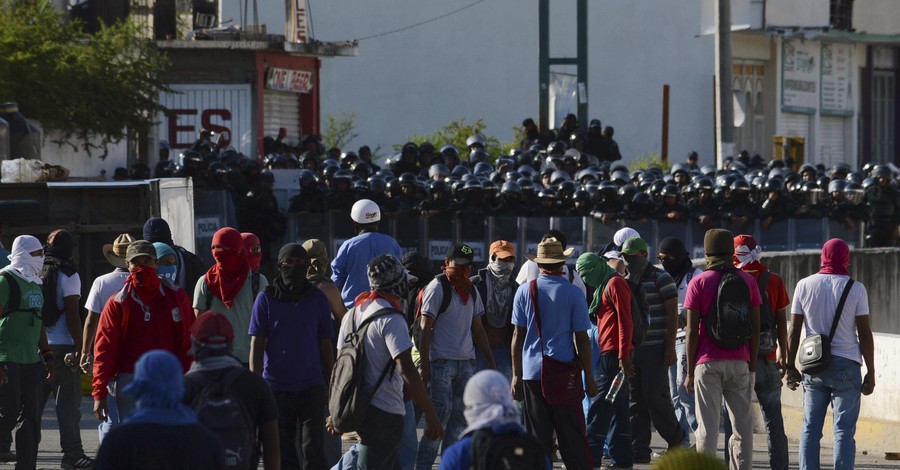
{"x": 190, "y": 267}
{"x": 563, "y": 314}
{"x": 228, "y": 287}
{"x": 530, "y": 270}
{"x": 145, "y": 314}
{"x": 609, "y": 421}
{"x": 815, "y": 298}
{"x": 290, "y": 345}
{"x": 715, "y": 372}
{"x": 450, "y": 333}
{"x": 349, "y": 265}
{"x": 496, "y": 287}
{"x": 62, "y": 320}
{"x": 162, "y": 432}
{"x": 489, "y": 408}
{"x": 214, "y": 366}
{"x": 650, "y": 400}
{"x": 772, "y": 356}
{"x": 166, "y": 262}
{"x": 387, "y": 338}
{"x": 676, "y": 261}
{"x": 26, "y": 358}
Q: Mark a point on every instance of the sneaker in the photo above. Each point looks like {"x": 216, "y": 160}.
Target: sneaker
{"x": 613, "y": 467}
{"x": 76, "y": 461}
{"x": 642, "y": 458}
{"x": 7, "y": 456}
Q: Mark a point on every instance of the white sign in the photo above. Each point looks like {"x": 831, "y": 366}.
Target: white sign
{"x": 837, "y": 70}
{"x": 294, "y": 81}
{"x": 298, "y": 22}
{"x": 799, "y": 76}
{"x": 223, "y": 109}
{"x": 207, "y": 226}
{"x": 438, "y": 249}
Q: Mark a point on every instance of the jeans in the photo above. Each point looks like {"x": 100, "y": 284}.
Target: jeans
{"x": 730, "y": 380}
{"x": 840, "y": 386}
{"x": 502, "y": 359}
{"x": 305, "y": 408}
{"x": 448, "y": 382}
{"x": 610, "y": 419}
{"x": 407, "y": 452}
{"x": 331, "y": 444}
{"x": 67, "y": 385}
{"x": 681, "y": 399}
{"x": 768, "y": 393}
{"x": 19, "y": 401}
{"x": 119, "y": 406}
{"x": 651, "y": 402}
{"x": 380, "y": 435}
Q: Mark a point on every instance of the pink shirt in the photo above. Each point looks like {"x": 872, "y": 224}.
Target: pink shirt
{"x": 701, "y": 294}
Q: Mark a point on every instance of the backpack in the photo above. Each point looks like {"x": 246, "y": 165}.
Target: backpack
{"x": 415, "y": 330}
{"x": 767, "y": 320}
{"x": 14, "y": 297}
{"x": 348, "y": 401}
{"x": 219, "y": 409}
{"x": 254, "y": 285}
{"x": 506, "y": 451}
{"x": 639, "y": 313}
{"x": 728, "y": 322}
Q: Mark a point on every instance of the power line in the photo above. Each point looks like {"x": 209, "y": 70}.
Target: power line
{"x": 422, "y": 22}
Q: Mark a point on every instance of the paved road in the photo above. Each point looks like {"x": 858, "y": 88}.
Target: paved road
{"x": 49, "y": 455}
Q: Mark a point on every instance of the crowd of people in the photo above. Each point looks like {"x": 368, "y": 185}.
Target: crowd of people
{"x": 564, "y": 173}
{"x": 577, "y": 361}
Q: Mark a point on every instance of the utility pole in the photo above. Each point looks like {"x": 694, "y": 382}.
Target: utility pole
{"x": 545, "y": 121}
{"x": 725, "y": 102}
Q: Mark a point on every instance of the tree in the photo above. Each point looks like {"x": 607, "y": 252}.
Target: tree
{"x": 456, "y": 134}
{"x": 87, "y": 88}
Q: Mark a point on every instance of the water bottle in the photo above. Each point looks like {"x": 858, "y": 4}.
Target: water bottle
{"x": 616, "y": 385}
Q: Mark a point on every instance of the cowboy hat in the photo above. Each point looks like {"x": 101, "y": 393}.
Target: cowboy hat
{"x": 550, "y": 251}
{"x": 115, "y": 252}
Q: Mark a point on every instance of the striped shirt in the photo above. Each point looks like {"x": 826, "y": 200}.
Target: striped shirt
{"x": 659, "y": 287}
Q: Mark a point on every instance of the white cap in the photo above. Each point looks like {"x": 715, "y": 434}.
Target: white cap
{"x": 365, "y": 211}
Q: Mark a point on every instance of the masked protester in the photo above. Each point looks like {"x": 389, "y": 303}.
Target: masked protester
{"x": 497, "y": 287}
{"x": 166, "y": 263}
{"x": 252, "y": 250}
{"x": 145, "y": 314}
{"x": 228, "y": 287}
{"x": 290, "y": 345}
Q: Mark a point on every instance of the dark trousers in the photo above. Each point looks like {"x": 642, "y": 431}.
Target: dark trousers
{"x": 67, "y": 387}
{"x": 610, "y": 419}
{"x": 650, "y": 401}
{"x": 20, "y": 391}
{"x": 379, "y": 445}
{"x": 541, "y": 419}
{"x": 306, "y": 409}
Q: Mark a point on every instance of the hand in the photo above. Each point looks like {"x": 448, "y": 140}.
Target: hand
{"x": 782, "y": 361}
{"x": 87, "y": 363}
{"x": 689, "y": 384}
{"x": 518, "y": 389}
{"x": 671, "y": 358}
{"x": 425, "y": 372}
{"x": 433, "y": 429}
{"x": 592, "y": 389}
{"x": 868, "y": 385}
{"x": 627, "y": 366}
{"x": 329, "y": 426}
{"x": 49, "y": 365}
{"x": 793, "y": 378}
{"x": 72, "y": 360}
{"x": 101, "y": 409}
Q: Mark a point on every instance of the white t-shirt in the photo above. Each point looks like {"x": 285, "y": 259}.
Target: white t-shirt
{"x": 816, "y": 298}
{"x": 58, "y": 333}
{"x": 452, "y": 337}
{"x": 682, "y": 291}
{"x": 103, "y": 288}
{"x": 530, "y": 271}
{"x": 386, "y": 338}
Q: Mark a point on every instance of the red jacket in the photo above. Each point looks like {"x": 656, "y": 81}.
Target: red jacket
{"x": 614, "y": 323}
{"x": 126, "y": 332}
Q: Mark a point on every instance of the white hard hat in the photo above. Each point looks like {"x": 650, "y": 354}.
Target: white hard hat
{"x": 365, "y": 211}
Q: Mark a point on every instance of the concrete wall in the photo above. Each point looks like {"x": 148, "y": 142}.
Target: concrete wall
{"x": 876, "y": 16}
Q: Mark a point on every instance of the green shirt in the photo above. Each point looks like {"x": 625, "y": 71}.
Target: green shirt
{"x": 20, "y": 328}
{"x": 238, "y": 314}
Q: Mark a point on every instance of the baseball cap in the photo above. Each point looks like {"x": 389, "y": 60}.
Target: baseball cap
{"x": 503, "y": 249}
{"x": 634, "y": 245}
{"x": 462, "y": 254}
{"x": 212, "y": 329}
{"x": 140, "y": 248}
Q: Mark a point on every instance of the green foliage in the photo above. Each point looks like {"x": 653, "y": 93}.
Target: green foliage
{"x": 85, "y": 87}
{"x": 649, "y": 160}
{"x": 456, "y": 134}
{"x": 339, "y": 130}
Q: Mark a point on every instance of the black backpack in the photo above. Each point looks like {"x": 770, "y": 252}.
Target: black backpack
{"x": 254, "y": 285}
{"x": 219, "y": 409}
{"x": 14, "y": 299}
{"x": 415, "y": 330}
{"x": 348, "y": 401}
{"x": 728, "y": 322}
{"x": 506, "y": 451}
{"x": 639, "y": 312}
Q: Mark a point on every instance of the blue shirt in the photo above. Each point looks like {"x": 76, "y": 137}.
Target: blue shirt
{"x": 563, "y": 312}
{"x": 459, "y": 455}
{"x": 350, "y": 265}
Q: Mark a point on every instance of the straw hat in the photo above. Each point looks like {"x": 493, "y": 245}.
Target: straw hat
{"x": 550, "y": 251}
{"x": 115, "y": 252}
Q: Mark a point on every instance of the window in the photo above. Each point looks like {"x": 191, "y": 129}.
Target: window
{"x": 842, "y": 14}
